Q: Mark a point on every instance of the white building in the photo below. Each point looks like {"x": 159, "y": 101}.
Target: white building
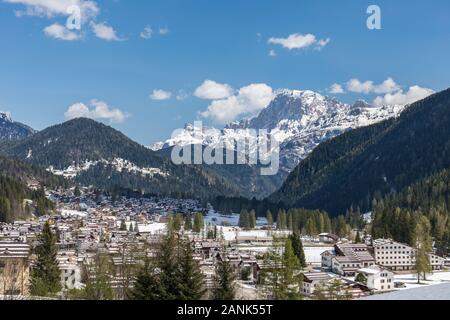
{"x": 398, "y": 256}
{"x": 70, "y": 270}
{"x": 378, "y": 279}
{"x": 327, "y": 258}
{"x": 311, "y": 280}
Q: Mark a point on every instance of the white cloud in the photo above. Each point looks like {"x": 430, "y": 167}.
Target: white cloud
{"x": 354, "y": 85}
{"x": 97, "y": 110}
{"x": 105, "y": 32}
{"x": 272, "y": 53}
{"x": 299, "y": 41}
{"x": 213, "y": 91}
{"x": 160, "y": 95}
{"x": 387, "y": 86}
{"x": 248, "y": 100}
{"x": 147, "y": 33}
{"x": 295, "y": 41}
{"x": 322, "y": 43}
{"x": 415, "y": 93}
{"x": 336, "y": 89}
{"x": 164, "y": 31}
{"x": 51, "y": 8}
{"x": 60, "y": 32}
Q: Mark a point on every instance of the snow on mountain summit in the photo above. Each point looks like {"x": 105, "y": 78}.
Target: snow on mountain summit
{"x": 299, "y": 119}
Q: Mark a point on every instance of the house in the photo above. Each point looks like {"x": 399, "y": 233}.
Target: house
{"x": 376, "y": 278}
{"x": 311, "y": 280}
{"x": 346, "y": 266}
{"x": 327, "y": 258}
{"x": 14, "y": 268}
{"x": 399, "y": 257}
{"x": 350, "y": 258}
{"x": 71, "y": 274}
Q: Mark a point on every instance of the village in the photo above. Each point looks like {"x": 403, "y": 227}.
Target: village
{"x": 125, "y": 228}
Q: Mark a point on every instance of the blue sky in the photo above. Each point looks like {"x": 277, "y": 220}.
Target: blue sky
{"x": 109, "y": 70}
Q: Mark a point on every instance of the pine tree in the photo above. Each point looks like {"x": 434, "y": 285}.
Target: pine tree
{"x": 423, "y": 246}
{"x": 252, "y": 219}
{"x": 198, "y": 222}
{"x": 168, "y": 264}
{"x": 147, "y": 285}
{"x": 177, "y": 222}
{"x": 244, "y": 219}
{"x": 191, "y": 279}
{"x": 290, "y": 283}
{"x": 269, "y": 218}
{"x": 358, "y": 237}
{"x": 123, "y": 226}
{"x": 299, "y": 252}
{"x": 224, "y": 281}
{"x": 46, "y": 275}
{"x": 281, "y": 220}
{"x": 310, "y": 228}
{"x": 188, "y": 222}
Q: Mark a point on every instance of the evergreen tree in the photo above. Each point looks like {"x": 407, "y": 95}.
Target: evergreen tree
{"x": 299, "y": 252}
{"x": 46, "y": 275}
{"x": 290, "y": 283}
{"x": 224, "y": 281}
{"x": 423, "y": 246}
{"x": 252, "y": 219}
{"x": 358, "y": 238}
{"x": 244, "y": 219}
{"x": 123, "y": 226}
{"x": 198, "y": 222}
{"x": 167, "y": 258}
{"x": 310, "y": 228}
{"x": 269, "y": 218}
{"x": 177, "y": 222}
{"x": 191, "y": 279}
{"x": 147, "y": 285}
{"x": 188, "y": 222}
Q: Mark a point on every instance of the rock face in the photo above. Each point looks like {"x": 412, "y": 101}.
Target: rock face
{"x": 11, "y": 130}
{"x": 300, "y": 121}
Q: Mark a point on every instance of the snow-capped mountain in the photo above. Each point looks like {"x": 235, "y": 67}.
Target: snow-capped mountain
{"x": 11, "y": 130}
{"x": 299, "y": 120}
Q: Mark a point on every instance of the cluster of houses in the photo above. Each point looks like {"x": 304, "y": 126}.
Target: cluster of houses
{"x": 128, "y": 229}
{"x": 374, "y": 264}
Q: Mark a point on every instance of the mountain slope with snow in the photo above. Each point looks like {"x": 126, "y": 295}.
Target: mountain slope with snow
{"x": 11, "y": 130}
{"x": 299, "y": 120}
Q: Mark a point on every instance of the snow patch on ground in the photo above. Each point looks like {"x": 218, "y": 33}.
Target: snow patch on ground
{"x": 118, "y": 163}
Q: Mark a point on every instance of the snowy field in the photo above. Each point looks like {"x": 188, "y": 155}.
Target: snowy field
{"x": 230, "y": 233}
{"x": 410, "y": 280}
{"x": 215, "y": 218}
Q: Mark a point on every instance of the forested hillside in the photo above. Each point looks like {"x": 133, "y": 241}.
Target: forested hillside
{"x": 19, "y": 182}
{"x": 374, "y": 161}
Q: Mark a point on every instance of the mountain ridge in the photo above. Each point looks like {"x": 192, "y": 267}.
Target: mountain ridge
{"x": 11, "y": 130}
{"x": 372, "y": 161}
{"x": 93, "y": 153}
